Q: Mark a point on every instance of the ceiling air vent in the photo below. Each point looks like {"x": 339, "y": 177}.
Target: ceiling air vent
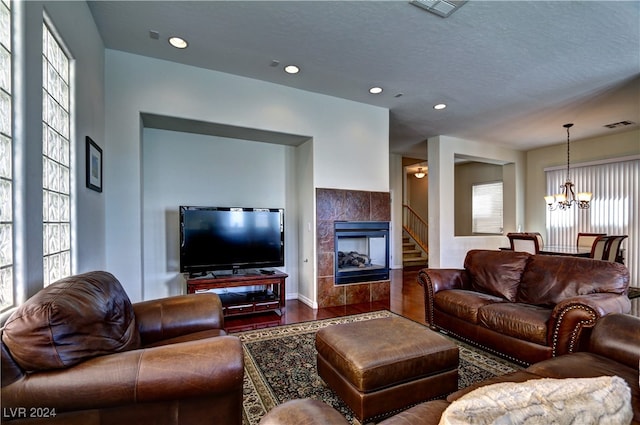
{"x": 619, "y": 124}
{"x": 442, "y": 8}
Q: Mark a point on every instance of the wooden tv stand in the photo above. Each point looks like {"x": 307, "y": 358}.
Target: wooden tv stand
{"x": 271, "y": 298}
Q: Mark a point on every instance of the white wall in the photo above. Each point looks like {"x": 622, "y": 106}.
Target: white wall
{"x": 75, "y": 26}
{"x": 192, "y": 169}
{"x": 306, "y": 207}
{"x": 446, "y": 249}
{"x": 396, "y": 182}
{"x": 349, "y": 139}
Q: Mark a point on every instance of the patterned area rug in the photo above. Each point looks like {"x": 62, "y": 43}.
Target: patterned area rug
{"x": 280, "y": 365}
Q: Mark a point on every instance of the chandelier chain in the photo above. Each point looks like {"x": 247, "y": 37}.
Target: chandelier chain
{"x": 567, "y": 196}
{"x": 568, "y": 156}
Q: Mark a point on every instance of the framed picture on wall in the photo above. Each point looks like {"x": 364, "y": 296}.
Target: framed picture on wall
{"x": 94, "y": 165}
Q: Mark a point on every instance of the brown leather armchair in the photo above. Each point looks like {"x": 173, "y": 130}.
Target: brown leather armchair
{"x": 81, "y": 351}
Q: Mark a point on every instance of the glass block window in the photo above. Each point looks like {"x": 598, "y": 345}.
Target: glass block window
{"x": 56, "y": 173}
{"x": 6, "y": 156}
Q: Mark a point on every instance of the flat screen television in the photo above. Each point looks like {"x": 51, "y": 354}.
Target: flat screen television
{"x": 223, "y": 238}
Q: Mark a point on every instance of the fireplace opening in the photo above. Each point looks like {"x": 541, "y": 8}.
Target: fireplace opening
{"x": 361, "y": 251}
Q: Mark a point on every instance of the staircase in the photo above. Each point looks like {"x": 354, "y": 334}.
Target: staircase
{"x": 415, "y": 235}
{"x": 412, "y": 255}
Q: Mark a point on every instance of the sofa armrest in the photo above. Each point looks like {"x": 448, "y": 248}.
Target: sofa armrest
{"x": 572, "y": 319}
{"x": 180, "y": 371}
{"x": 303, "y": 412}
{"x": 617, "y": 337}
{"x": 435, "y": 280}
{"x": 172, "y": 317}
{"x": 442, "y": 279}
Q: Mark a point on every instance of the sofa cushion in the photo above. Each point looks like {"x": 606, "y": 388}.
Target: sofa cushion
{"x": 71, "y": 320}
{"x": 521, "y": 321}
{"x": 463, "y": 304}
{"x": 549, "y": 279}
{"x": 496, "y": 272}
{"x": 570, "y": 401}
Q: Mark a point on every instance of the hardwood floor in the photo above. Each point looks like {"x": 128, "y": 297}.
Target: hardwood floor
{"x": 407, "y": 299}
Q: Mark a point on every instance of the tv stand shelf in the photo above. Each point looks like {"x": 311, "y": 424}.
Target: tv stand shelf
{"x": 271, "y": 298}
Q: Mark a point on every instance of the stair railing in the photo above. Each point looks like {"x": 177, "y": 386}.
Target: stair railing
{"x": 416, "y": 227}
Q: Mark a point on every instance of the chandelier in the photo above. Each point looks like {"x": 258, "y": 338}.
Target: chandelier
{"x": 567, "y": 195}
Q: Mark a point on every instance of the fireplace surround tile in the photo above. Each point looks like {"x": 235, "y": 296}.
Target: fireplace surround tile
{"x": 380, "y": 290}
{"x": 380, "y": 206}
{"x": 325, "y": 236}
{"x": 346, "y": 205}
{"x": 330, "y": 294}
{"x": 358, "y": 293}
{"x": 357, "y": 205}
{"x": 325, "y": 264}
{"x": 330, "y": 204}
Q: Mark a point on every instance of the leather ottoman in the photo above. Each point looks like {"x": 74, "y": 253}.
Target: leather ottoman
{"x": 381, "y": 366}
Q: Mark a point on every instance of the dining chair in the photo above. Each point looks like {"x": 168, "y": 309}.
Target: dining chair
{"x": 586, "y": 240}
{"x": 599, "y": 247}
{"x": 524, "y": 242}
{"x": 613, "y": 253}
{"x": 607, "y": 248}
{"x": 539, "y": 237}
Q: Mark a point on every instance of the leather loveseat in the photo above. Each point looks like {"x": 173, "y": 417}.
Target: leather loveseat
{"x": 79, "y": 352}
{"x": 613, "y": 349}
{"x": 522, "y": 306}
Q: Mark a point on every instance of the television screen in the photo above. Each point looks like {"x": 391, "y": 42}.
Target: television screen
{"x": 221, "y": 238}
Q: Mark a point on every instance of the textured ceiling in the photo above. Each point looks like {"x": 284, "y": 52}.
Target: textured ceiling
{"x": 511, "y": 72}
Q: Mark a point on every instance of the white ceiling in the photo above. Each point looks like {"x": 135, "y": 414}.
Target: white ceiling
{"x": 511, "y": 72}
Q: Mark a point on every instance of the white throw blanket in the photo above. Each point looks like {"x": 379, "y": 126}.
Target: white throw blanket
{"x": 605, "y": 400}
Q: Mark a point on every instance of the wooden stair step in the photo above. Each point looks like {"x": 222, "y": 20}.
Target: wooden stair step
{"x": 416, "y": 262}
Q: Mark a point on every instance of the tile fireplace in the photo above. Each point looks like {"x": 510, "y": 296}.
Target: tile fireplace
{"x": 349, "y": 206}
{"x": 361, "y": 251}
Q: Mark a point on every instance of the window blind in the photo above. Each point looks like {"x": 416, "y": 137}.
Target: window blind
{"x": 614, "y": 207}
{"x": 486, "y": 208}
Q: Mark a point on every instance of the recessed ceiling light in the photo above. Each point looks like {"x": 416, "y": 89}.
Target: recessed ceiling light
{"x": 178, "y": 43}
{"x": 439, "y": 106}
{"x": 291, "y": 69}
{"x": 375, "y": 90}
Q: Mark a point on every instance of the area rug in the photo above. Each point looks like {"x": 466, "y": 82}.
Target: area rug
{"x": 280, "y": 365}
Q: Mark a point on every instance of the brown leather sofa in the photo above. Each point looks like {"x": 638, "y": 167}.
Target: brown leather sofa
{"x": 522, "y": 306}
{"x": 613, "y": 350}
{"x": 80, "y": 350}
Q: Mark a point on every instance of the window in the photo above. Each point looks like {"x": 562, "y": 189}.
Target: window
{"x": 56, "y": 173}
{"x": 486, "y": 208}
{"x": 6, "y": 157}
{"x": 614, "y": 209}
